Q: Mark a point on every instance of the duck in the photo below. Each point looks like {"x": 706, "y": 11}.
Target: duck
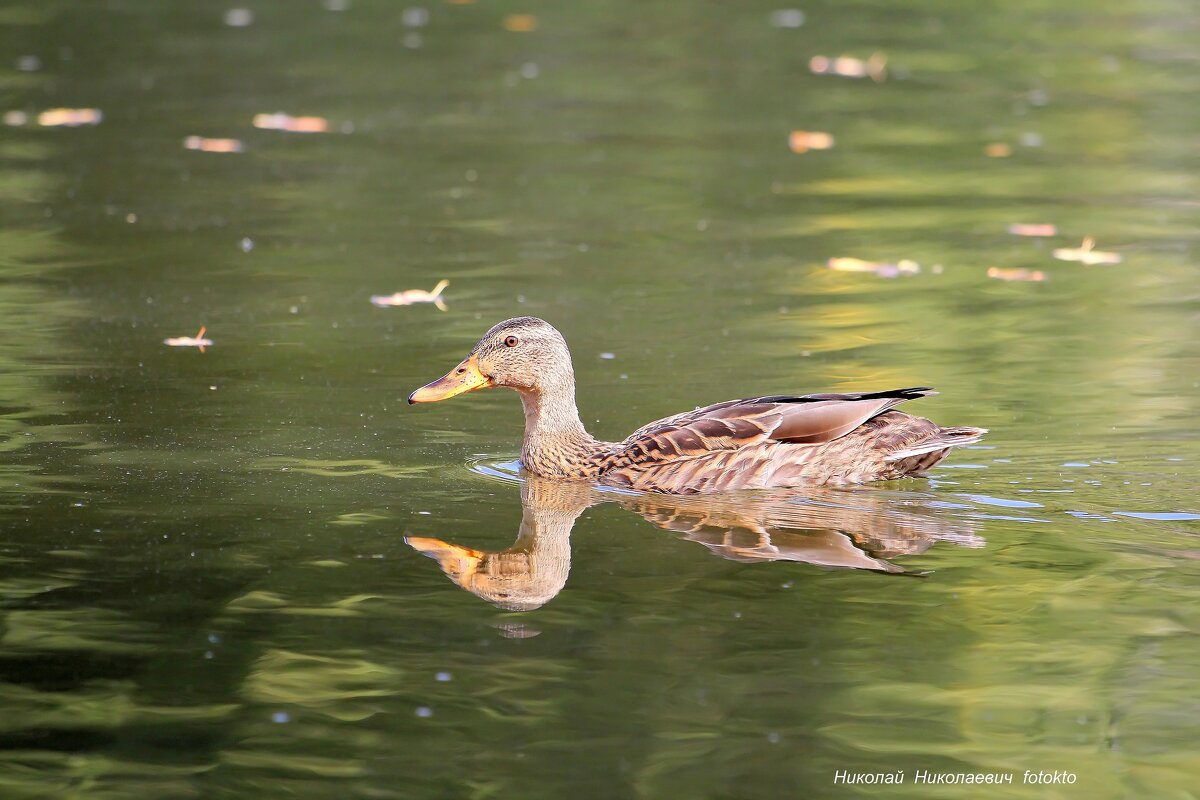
{"x": 769, "y": 442}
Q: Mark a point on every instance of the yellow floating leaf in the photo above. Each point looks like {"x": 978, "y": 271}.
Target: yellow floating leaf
{"x": 852, "y": 265}
{"x": 880, "y": 268}
{"x": 520, "y": 23}
{"x": 69, "y": 117}
{"x": 1084, "y": 254}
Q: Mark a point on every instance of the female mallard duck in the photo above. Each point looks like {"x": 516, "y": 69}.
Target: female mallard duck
{"x": 762, "y": 442}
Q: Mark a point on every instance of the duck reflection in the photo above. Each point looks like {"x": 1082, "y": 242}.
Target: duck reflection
{"x": 825, "y": 527}
{"x": 534, "y": 568}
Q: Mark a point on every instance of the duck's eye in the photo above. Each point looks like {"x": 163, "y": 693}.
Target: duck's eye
{"x": 510, "y": 341}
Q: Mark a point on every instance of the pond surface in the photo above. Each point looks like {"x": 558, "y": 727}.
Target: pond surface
{"x": 240, "y": 572}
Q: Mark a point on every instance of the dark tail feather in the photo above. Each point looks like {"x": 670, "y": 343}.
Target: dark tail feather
{"x": 945, "y": 438}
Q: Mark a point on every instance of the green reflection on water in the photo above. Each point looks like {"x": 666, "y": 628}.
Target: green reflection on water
{"x": 205, "y": 588}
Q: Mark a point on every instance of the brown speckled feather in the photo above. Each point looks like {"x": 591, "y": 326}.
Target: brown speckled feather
{"x": 778, "y": 441}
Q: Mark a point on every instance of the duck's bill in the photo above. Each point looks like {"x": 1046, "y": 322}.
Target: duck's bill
{"x": 466, "y": 377}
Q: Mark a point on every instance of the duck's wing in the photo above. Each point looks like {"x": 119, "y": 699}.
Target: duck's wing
{"x": 806, "y": 419}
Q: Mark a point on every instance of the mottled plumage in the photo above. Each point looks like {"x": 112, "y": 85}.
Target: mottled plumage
{"x": 757, "y": 443}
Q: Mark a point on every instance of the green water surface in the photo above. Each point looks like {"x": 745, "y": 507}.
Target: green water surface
{"x": 205, "y": 584}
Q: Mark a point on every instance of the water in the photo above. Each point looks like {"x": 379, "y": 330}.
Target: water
{"x": 206, "y": 585}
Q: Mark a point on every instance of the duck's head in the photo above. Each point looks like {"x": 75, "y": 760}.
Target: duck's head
{"x": 523, "y": 353}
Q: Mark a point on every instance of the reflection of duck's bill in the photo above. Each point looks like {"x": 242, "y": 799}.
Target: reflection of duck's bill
{"x": 466, "y": 377}
{"x": 459, "y": 563}
{"x": 514, "y": 580}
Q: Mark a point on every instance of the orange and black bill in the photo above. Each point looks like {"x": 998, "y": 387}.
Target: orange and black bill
{"x": 466, "y": 377}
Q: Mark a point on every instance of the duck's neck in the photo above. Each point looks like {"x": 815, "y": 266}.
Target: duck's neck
{"x": 556, "y": 444}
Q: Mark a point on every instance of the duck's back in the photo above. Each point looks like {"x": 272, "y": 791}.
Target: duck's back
{"x": 782, "y": 441}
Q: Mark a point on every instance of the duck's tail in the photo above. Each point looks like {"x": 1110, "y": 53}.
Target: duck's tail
{"x": 943, "y": 440}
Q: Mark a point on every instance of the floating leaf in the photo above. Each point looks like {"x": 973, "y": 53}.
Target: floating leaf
{"x": 1084, "y": 254}
{"x": 520, "y": 23}
{"x": 206, "y": 145}
{"x": 190, "y": 341}
{"x": 1032, "y": 229}
{"x": 1006, "y": 274}
{"x": 69, "y": 117}
{"x": 411, "y": 296}
{"x": 874, "y": 67}
{"x": 880, "y": 268}
{"x": 803, "y": 141}
{"x": 280, "y": 121}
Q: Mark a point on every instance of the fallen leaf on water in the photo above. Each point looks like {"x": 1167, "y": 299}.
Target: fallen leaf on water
{"x": 874, "y": 67}
{"x": 520, "y": 23}
{"x": 69, "y": 117}
{"x": 880, "y": 268}
{"x": 206, "y": 145}
{"x": 411, "y": 296}
{"x": 286, "y": 122}
{"x": 1006, "y": 274}
{"x": 1032, "y": 229}
{"x": 997, "y": 150}
{"x": 852, "y": 265}
{"x": 803, "y": 141}
{"x": 1084, "y": 254}
{"x": 190, "y": 341}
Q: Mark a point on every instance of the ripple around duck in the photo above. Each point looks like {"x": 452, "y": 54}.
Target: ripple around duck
{"x": 835, "y": 501}
{"x": 489, "y": 467}
{"x": 1004, "y": 502}
{"x": 510, "y": 472}
{"x": 495, "y": 468}
{"x": 1161, "y": 516}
